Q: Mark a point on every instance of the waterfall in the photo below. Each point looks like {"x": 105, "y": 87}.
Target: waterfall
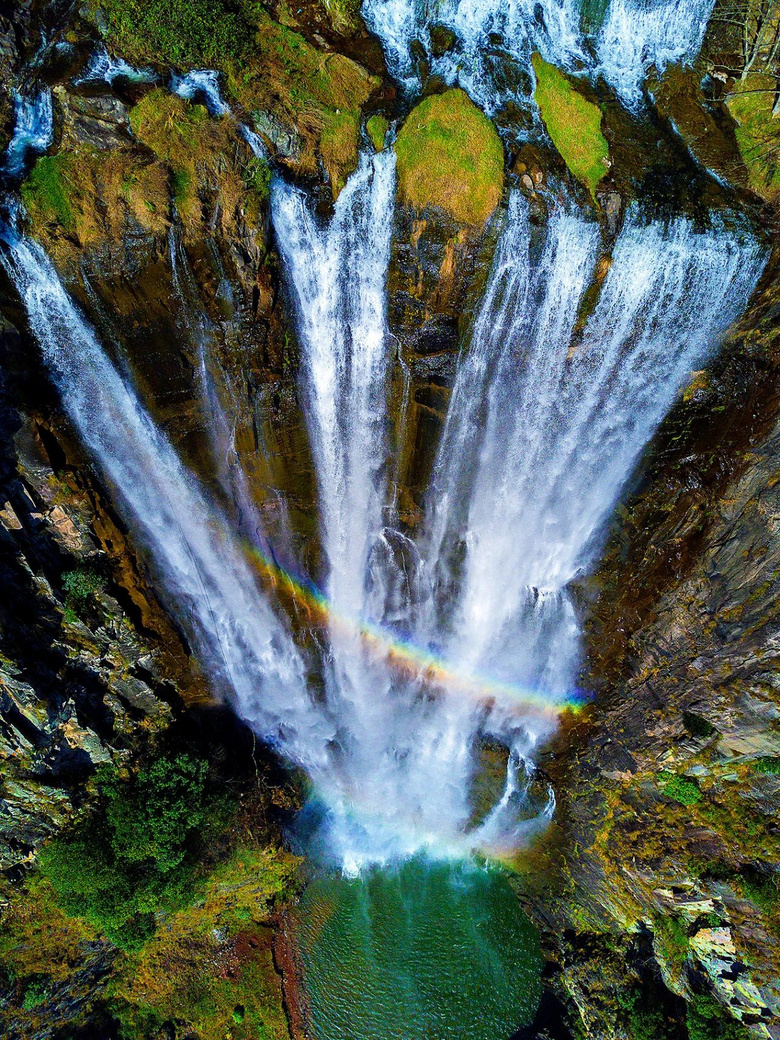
{"x": 204, "y": 576}
{"x": 494, "y": 40}
{"x": 338, "y": 277}
{"x": 105, "y": 67}
{"x": 32, "y": 132}
{"x": 639, "y": 34}
{"x": 543, "y": 430}
{"x": 463, "y": 641}
{"x": 202, "y": 83}
{"x": 544, "y": 427}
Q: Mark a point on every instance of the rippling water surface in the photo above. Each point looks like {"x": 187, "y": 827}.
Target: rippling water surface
{"x": 428, "y": 951}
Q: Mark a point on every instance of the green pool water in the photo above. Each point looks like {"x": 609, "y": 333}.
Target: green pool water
{"x": 427, "y": 951}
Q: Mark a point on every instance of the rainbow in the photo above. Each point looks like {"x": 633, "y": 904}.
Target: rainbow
{"x": 409, "y": 657}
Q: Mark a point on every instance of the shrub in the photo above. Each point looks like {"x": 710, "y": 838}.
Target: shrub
{"x": 708, "y": 1020}
{"x": 35, "y": 993}
{"x": 760, "y": 889}
{"x": 81, "y": 584}
{"x": 768, "y": 764}
{"x": 257, "y": 176}
{"x": 697, "y": 725}
{"x": 178, "y": 32}
{"x": 137, "y": 854}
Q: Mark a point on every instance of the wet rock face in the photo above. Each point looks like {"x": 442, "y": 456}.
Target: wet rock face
{"x": 669, "y": 796}
{"x": 89, "y": 664}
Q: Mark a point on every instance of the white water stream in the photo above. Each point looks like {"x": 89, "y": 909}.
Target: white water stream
{"x": 496, "y": 37}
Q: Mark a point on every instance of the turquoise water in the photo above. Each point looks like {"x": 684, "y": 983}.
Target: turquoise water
{"x": 427, "y": 951}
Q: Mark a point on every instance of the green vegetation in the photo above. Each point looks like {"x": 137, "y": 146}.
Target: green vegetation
{"x": 450, "y": 156}
{"x": 671, "y": 941}
{"x": 137, "y": 854}
{"x": 708, "y": 1020}
{"x": 574, "y": 124}
{"x": 193, "y": 146}
{"x": 184, "y": 879}
{"x": 178, "y": 32}
{"x": 82, "y": 583}
{"x": 257, "y": 177}
{"x": 646, "y": 1016}
{"x": 339, "y": 144}
{"x": 682, "y": 789}
{"x": 761, "y": 889}
{"x": 211, "y": 965}
{"x": 377, "y": 127}
{"x": 696, "y": 725}
{"x": 35, "y": 993}
{"x": 768, "y": 764}
{"x": 46, "y": 192}
{"x": 758, "y": 133}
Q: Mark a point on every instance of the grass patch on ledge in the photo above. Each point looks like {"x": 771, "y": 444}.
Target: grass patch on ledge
{"x": 450, "y": 156}
{"x": 46, "y": 192}
{"x": 177, "y": 32}
{"x": 573, "y": 123}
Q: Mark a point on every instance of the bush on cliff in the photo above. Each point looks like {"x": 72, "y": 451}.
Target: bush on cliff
{"x": 708, "y": 1020}
{"x": 138, "y": 853}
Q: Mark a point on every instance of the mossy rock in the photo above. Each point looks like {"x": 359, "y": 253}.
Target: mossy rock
{"x": 377, "y": 127}
{"x": 450, "y": 156}
{"x": 573, "y": 123}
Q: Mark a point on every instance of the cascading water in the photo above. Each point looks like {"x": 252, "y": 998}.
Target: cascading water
{"x": 550, "y": 410}
{"x": 205, "y": 577}
{"x": 494, "y": 40}
{"x": 32, "y": 132}
{"x": 544, "y": 430}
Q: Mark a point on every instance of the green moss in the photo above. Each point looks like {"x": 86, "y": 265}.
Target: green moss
{"x": 46, "y": 192}
{"x": 377, "y": 127}
{"x": 450, "y": 156}
{"x": 683, "y": 790}
{"x": 757, "y": 132}
{"x": 574, "y": 124}
{"x": 177, "y": 32}
{"x": 708, "y": 1020}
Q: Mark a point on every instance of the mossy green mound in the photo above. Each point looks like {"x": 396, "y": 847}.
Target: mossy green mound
{"x": 450, "y": 156}
{"x": 573, "y": 123}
